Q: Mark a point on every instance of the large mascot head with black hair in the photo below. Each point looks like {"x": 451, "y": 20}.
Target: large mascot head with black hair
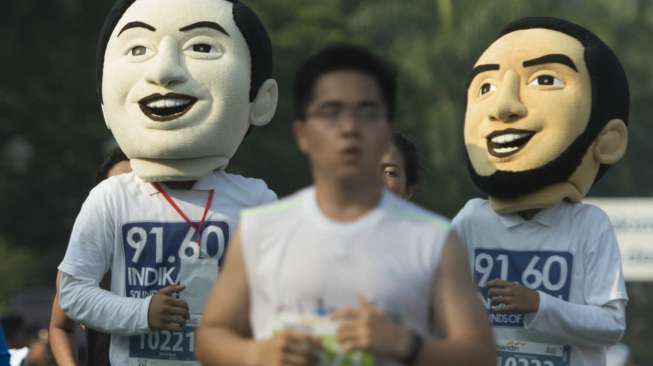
{"x": 547, "y": 108}
{"x": 182, "y": 81}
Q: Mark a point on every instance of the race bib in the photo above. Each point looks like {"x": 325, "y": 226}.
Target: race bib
{"x": 325, "y": 329}
{"x": 164, "y": 348}
{"x": 546, "y": 271}
{"x": 159, "y": 255}
{"x": 523, "y": 353}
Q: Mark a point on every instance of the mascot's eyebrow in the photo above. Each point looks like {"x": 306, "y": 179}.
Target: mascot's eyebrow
{"x": 131, "y": 25}
{"x": 211, "y": 25}
{"x": 482, "y": 68}
{"x": 556, "y": 58}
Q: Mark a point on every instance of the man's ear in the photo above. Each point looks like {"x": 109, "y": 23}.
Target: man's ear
{"x": 610, "y": 145}
{"x": 265, "y": 104}
{"x": 104, "y": 115}
{"x": 298, "y": 130}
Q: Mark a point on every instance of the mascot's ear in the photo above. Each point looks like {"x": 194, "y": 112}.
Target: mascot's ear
{"x": 265, "y": 104}
{"x": 104, "y": 115}
{"x": 611, "y": 143}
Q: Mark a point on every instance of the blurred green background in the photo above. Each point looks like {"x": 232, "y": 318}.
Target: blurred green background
{"x": 52, "y": 137}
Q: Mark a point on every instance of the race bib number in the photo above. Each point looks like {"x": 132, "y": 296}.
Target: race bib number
{"x": 522, "y": 353}
{"x": 163, "y": 348}
{"x": 154, "y": 252}
{"x": 546, "y": 271}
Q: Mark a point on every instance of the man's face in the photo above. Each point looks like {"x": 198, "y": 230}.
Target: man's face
{"x": 176, "y": 80}
{"x": 346, "y": 130}
{"x": 529, "y": 100}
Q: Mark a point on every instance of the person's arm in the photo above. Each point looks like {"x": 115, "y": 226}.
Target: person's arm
{"x": 224, "y": 334}
{"x": 580, "y": 325}
{"x": 601, "y": 321}
{"x": 464, "y": 334}
{"x": 61, "y": 332}
{"x": 84, "y": 301}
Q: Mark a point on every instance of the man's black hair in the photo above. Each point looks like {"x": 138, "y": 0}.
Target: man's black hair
{"x": 408, "y": 152}
{"x": 256, "y": 36}
{"x": 610, "y": 100}
{"x": 114, "y": 157}
{"x": 341, "y": 57}
{"x": 13, "y": 325}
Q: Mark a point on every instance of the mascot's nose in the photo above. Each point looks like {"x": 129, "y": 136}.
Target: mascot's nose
{"x": 507, "y": 104}
{"x": 167, "y": 68}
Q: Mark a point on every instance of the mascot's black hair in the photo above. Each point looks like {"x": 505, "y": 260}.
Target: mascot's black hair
{"x": 249, "y": 24}
{"x": 610, "y": 100}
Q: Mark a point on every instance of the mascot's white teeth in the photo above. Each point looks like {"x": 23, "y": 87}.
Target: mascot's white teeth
{"x": 507, "y": 142}
{"x": 510, "y": 137}
{"x": 168, "y": 103}
{"x": 162, "y": 108}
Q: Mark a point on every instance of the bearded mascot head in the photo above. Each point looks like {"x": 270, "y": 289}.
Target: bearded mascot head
{"x": 182, "y": 81}
{"x": 547, "y": 108}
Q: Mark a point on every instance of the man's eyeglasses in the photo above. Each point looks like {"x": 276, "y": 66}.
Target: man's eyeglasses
{"x": 334, "y": 112}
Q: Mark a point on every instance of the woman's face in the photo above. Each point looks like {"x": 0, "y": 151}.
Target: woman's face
{"x": 393, "y": 167}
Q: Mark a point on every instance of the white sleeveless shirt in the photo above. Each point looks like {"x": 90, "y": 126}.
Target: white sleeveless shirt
{"x": 297, "y": 259}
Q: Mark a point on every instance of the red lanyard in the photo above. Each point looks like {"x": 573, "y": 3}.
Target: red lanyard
{"x": 198, "y": 228}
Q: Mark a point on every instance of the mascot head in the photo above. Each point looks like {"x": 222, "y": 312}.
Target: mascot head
{"x": 182, "y": 81}
{"x": 547, "y": 108}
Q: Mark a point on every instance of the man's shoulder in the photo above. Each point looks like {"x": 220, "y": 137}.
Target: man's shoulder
{"x": 407, "y": 211}
{"x": 248, "y": 191}
{"x": 117, "y": 185}
{"x": 474, "y": 209}
{"x": 283, "y": 206}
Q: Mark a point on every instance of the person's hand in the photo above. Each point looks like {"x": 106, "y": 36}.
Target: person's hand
{"x": 289, "y": 349}
{"x": 166, "y": 312}
{"x": 367, "y": 329}
{"x": 511, "y": 297}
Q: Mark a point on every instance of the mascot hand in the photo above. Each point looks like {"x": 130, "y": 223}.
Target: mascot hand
{"x": 511, "y": 297}
{"x": 166, "y": 312}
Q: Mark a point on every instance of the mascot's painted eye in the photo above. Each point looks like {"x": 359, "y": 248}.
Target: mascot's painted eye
{"x": 138, "y": 51}
{"x": 546, "y": 80}
{"x": 204, "y": 50}
{"x": 202, "y": 47}
{"x": 486, "y": 88}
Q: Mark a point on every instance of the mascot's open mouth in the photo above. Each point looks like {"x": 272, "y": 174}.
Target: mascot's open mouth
{"x": 507, "y": 142}
{"x": 167, "y": 107}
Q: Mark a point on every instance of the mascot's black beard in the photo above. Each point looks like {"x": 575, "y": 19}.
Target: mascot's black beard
{"x": 505, "y": 184}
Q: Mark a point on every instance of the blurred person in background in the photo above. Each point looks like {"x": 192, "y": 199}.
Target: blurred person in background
{"x": 400, "y": 167}
{"x": 28, "y": 346}
{"x": 321, "y": 272}
{"x": 62, "y": 328}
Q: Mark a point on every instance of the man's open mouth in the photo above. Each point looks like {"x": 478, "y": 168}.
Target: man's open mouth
{"x": 507, "y": 142}
{"x": 167, "y": 107}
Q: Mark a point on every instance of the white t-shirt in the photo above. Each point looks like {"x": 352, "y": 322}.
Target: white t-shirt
{"x": 299, "y": 260}
{"x": 17, "y": 356}
{"x": 127, "y": 226}
{"x": 569, "y": 254}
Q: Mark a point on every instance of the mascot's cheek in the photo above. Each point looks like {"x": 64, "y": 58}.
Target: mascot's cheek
{"x": 478, "y": 156}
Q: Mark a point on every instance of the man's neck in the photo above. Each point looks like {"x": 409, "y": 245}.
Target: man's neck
{"x": 180, "y": 185}
{"x": 347, "y": 200}
{"x": 528, "y": 214}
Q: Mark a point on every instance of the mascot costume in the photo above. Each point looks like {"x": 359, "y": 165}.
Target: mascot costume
{"x": 547, "y": 108}
{"x": 180, "y": 82}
